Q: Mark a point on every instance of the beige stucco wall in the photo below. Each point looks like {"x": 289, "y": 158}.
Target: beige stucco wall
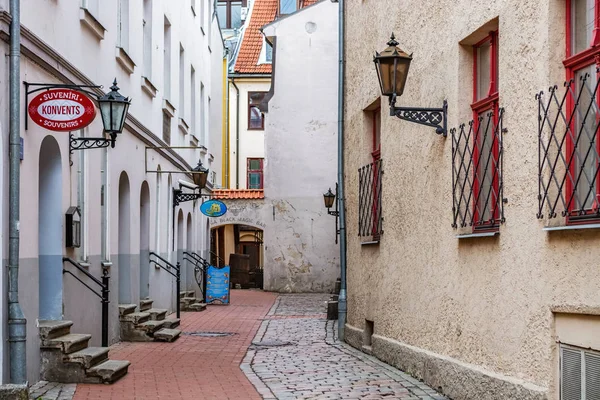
{"x": 484, "y": 302}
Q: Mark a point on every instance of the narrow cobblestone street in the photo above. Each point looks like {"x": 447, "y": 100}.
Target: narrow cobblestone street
{"x": 275, "y": 348}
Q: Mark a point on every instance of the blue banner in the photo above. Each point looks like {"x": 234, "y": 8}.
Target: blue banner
{"x": 217, "y": 285}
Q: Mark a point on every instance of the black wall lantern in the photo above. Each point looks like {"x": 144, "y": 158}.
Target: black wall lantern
{"x": 113, "y": 109}
{"x": 200, "y": 175}
{"x": 329, "y": 198}
{"x": 73, "y": 227}
{"x": 392, "y": 66}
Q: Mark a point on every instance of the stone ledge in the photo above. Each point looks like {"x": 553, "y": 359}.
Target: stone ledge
{"x": 168, "y": 108}
{"x": 124, "y": 60}
{"x": 88, "y": 20}
{"x": 148, "y": 87}
{"x": 14, "y": 392}
{"x": 452, "y": 377}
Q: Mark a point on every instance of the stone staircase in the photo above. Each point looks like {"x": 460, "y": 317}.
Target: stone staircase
{"x": 189, "y": 302}
{"x": 147, "y": 325}
{"x": 66, "y": 357}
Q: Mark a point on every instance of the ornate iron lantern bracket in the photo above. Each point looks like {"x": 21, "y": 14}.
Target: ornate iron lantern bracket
{"x": 180, "y": 197}
{"x": 434, "y": 117}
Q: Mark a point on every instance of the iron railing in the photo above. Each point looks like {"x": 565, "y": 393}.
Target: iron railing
{"x": 200, "y": 268}
{"x": 217, "y": 261}
{"x": 177, "y": 276}
{"x": 370, "y": 219}
{"x": 477, "y": 179}
{"x": 104, "y": 291}
{"x": 568, "y": 150}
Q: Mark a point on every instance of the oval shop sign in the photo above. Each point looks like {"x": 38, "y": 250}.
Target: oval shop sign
{"x": 62, "y": 110}
{"x": 213, "y": 208}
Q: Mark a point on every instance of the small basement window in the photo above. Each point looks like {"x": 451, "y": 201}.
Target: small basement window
{"x": 579, "y": 373}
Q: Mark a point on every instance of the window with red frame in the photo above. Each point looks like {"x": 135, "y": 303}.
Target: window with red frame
{"x": 485, "y": 146}
{"x": 255, "y": 177}
{"x": 582, "y": 147}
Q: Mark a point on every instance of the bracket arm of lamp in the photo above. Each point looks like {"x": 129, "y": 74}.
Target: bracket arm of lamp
{"x": 392, "y": 66}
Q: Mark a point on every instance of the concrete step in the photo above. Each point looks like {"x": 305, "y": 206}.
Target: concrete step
{"x": 146, "y": 304}
{"x": 183, "y": 294}
{"x": 136, "y": 317}
{"x": 53, "y": 329}
{"x": 150, "y": 326}
{"x": 157, "y": 314}
{"x": 88, "y": 357}
{"x": 197, "y": 307}
{"x": 109, "y": 371}
{"x": 171, "y": 322}
{"x": 125, "y": 309}
{"x": 188, "y": 300}
{"x": 68, "y": 343}
{"x": 190, "y": 293}
{"x": 167, "y": 335}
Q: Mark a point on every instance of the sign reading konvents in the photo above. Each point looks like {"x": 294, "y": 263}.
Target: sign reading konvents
{"x": 62, "y": 110}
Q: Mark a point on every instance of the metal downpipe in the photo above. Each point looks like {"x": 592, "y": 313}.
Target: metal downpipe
{"x": 17, "y": 334}
{"x": 237, "y": 134}
{"x": 342, "y": 300}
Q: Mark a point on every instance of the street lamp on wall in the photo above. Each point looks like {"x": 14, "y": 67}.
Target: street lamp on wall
{"x": 200, "y": 175}
{"x": 113, "y": 109}
{"x": 329, "y": 198}
{"x": 392, "y": 66}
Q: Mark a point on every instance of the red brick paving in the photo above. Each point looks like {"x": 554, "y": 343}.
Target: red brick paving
{"x": 191, "y": 367}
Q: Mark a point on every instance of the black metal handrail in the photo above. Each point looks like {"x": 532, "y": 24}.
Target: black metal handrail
{"x": 177, "y": 276}
{"x": 221, "y": 261}
{"x": 104, "y": 292}
{"x": 197, "y": 259}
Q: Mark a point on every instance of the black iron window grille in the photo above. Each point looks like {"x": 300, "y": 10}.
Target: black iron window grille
{"x": 477, "y": 182}
{"x": 370, "y": 219}
{"x": 568, "y": 150}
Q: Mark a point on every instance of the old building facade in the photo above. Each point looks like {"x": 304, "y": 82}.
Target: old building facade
{"x": 169, "y": 60}
{"x": 472, "y": 257}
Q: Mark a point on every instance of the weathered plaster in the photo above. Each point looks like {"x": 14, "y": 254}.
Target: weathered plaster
{"x": 485, "y": 302}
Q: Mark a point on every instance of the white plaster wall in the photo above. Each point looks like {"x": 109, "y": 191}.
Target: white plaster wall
{"x": 82, "y": 52}
{"x": 251, "y": 142}
{"x": 301, "y": 152}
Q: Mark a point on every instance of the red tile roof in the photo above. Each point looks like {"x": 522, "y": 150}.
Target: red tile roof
{"x": 241, "y": 194}
{"x": 263, "y": 13}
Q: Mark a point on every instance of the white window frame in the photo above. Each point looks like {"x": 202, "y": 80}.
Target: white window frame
{"x": 262, "y": 58}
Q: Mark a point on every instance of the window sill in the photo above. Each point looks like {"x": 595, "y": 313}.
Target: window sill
{"x": 168, "y": 108}
{"x": 148, "y": 87}
{"x": 124, "y": 60}
{"x": 570, "y": 227}
{"x": 477, "y": 235}
{"x": 87, "y": 19}
{"x": 183, "y": 126}
{"x": 194, "y": 140}
{"x": 369, "y": 243}
{"x": 211, "y": 158}
{"x": 203, "y": 150}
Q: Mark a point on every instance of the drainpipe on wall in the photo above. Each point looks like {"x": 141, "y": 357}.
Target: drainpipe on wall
{"x": 17, "y": 324}
{"x": 342, "y": 302}
{"x": 237, "y": 134}
{"x": 226, "y": 155}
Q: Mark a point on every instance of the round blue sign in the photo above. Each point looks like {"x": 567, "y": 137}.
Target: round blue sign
{"x": 213, "y": 208}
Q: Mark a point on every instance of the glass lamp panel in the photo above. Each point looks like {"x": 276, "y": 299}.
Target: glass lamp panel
{"x": 402, "y": 65}
{"x": 484, "y": 61}
{"x": 582, "y": 24}
{"x": 124, "y": 109}
{"x": 386, "y": 70}
{"x": 105, "y": 113}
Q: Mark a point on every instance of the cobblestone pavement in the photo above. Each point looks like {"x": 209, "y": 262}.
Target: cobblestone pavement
{"x": 51, "y": 390}
{"x": 295, "y": 355}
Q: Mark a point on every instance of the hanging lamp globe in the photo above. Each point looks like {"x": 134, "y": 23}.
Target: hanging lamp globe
{"x": 200, "y": 175}
{"x": 113, "y": 109}
{"x": 392, "y": 66}
{"x": 329, "y": 198}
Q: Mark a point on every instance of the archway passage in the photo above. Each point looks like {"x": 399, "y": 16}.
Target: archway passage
{"x": 144, "y": 241}
{"x": 241, "y": 247}
{"x": 50, "y": 246}
{"x": 124, "y": 255}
